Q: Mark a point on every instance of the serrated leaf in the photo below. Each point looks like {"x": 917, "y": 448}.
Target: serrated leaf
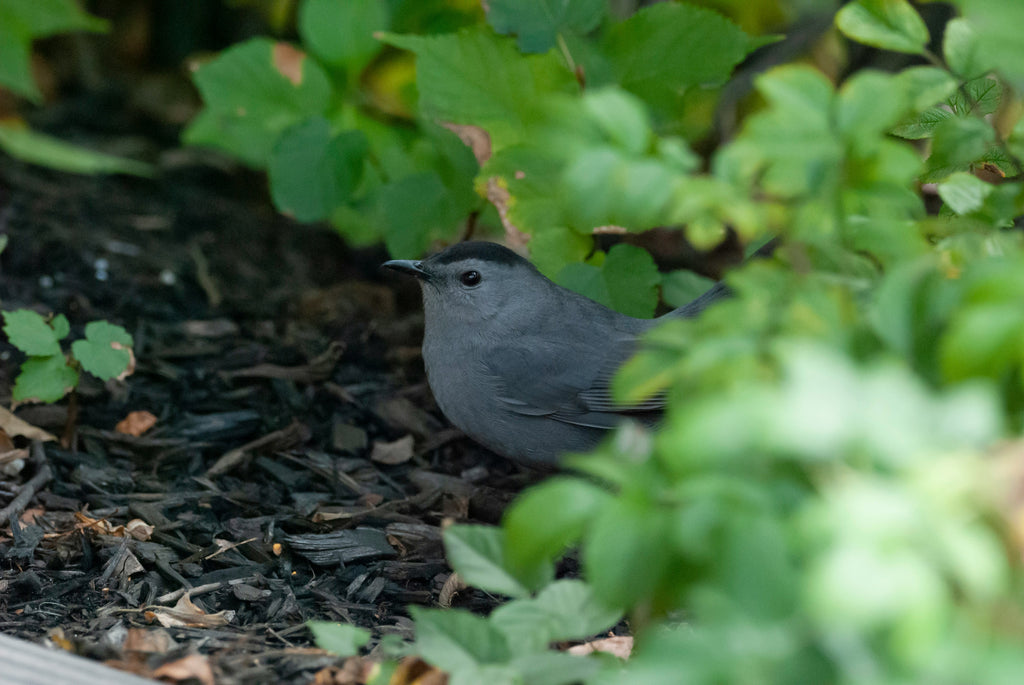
{"x": 104, "y": 352}
{"x": 251, "y": 93}
{"x": 341, "y": 32}
{"x": 477, "y": 554}
{"x": 44, "y": 379}
{"x": 475, "y": 77}
{"x": 456, "y": 640}
{"x": 664, "y": 50}
{"x": 546, "y": 519}
{"x": 888, "y": 24}
{"x": 964, "y": 193}
{"x": 30, "y": 333}
{"x": 39, "y": 148}
{"x": 978, "y": 96}
{"x": 536, "y": 23}
{"x": 341, "y": 639}
{"x": 922, "y": 125}
{"x": 311, "y": 172}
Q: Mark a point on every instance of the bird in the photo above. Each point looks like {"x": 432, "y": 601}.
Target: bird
{"x": 520, "y": 364}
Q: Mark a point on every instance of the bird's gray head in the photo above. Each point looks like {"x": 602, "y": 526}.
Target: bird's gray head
{"x": 471, "y": 282}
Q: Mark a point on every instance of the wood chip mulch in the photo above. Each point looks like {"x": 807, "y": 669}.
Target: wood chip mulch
{"x": 287, "y": 461}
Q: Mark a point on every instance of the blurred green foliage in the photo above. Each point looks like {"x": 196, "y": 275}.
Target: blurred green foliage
{"x": 834, "y": 495}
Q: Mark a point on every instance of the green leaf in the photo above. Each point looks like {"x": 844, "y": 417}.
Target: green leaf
{"x": 30, "y": 333}
{"x": 924, "y": 124}
{"x": 456, "y": 640}
{"x": 39, "y": 148}
{"x": 682, "y": 287}
{"x": 564, "y": 610}
{"x": 868, "y": 105}
{"x": 477, "y": 553}
{"x": 926, "y": 86}
{"x": 888, "y": 24}
{"x": 311, "y": 173}
{"x": 984, "y": 341}
{"x": 552, "y": 248}
{"x": 341, "y": 32}
{"x": 416, "y": 210}
{"x": 956, "y": 144}
{"x": 104, "y": 352}
{"x": 538, "y": 22}
{"x": 340, "y": 639}
{"x": 964, "y": 193}
{"x": 542, "y": 523}
{"x": 475, "y": 77}
{"x": 44, "y": 379}
{"x": 625, "y": 554}
{"x": 662, "y": 51}
{"x": 46, "y": 17}
{"x": 962, "y": 50}
{"x": 627, "y": 281}
{"x": 555, "y": 668}
{"x": 22, "y": 21}
{"x": 251, "y": 93}
{"x": 997, "y": 25}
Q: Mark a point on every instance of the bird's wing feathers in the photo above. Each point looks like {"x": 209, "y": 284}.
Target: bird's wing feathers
{"x": 566, "y": 380}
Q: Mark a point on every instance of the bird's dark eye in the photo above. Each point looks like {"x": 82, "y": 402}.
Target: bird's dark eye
{"x": 470, "y": 278}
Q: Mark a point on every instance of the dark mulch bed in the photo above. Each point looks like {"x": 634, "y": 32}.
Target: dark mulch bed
{"x": 284, "y": 372}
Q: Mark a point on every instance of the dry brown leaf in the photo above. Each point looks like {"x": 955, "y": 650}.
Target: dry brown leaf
{"x": 185, "y": 614}
{"x": 130, "y": 368}
{"x": 288, "y": 61}
{"x": 136, "y": 528}
{"x": 136, "y": 423}
{"x": 191, "y": 667}
{"x": 148, "y": 641}
{"x": 15, "y": 427}
{"x": 414, "y": 671}
{"x": 391, "y": 453}
{"x": 473, "y": 137}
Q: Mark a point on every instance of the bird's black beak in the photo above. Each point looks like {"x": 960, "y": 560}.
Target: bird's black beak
{"x": 408, "y": 266}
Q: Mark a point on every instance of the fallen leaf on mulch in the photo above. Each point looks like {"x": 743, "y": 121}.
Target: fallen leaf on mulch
{"x": 355, "y": 671}
{"x": 415, "y": 671}
{"x": 191, "y": 667}
{"x": 136, "y": 528}
{"x": 136, "y": 423}
{"x": 15, "y": 427}
{"x": 391, "y": 453}
{"x": 185, "y": 614}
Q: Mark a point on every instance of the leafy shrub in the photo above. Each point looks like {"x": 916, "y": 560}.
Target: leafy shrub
{"x": 827, "y": 501}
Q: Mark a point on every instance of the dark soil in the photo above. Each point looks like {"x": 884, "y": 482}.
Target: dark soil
{"x": 277, "y": 362}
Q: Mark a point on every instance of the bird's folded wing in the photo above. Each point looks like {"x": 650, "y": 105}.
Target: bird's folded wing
{"x": 565, "y": 380}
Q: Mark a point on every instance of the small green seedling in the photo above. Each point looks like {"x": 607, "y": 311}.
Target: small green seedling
{"x": 48, "y": 374}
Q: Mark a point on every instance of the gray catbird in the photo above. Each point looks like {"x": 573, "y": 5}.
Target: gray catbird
{"x": 523, "y": 365}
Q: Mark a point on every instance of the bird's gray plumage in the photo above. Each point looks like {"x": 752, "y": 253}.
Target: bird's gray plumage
{"x": 519, "y": 363}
